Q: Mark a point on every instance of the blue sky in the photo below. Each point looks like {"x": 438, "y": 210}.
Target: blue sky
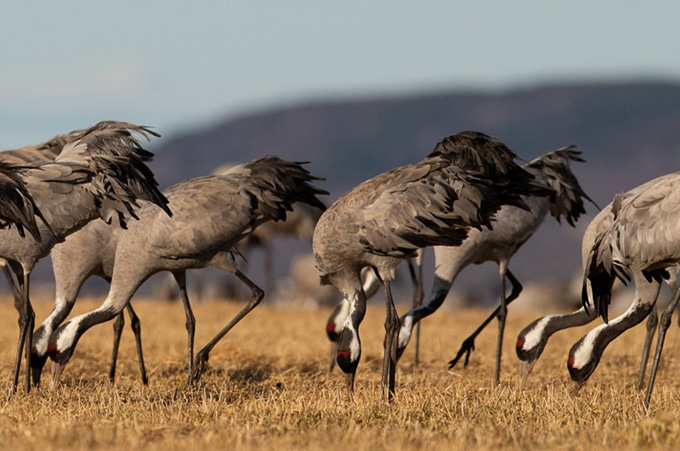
{"x": 178, "y": 65}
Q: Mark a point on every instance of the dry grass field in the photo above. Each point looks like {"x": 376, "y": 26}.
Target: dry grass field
{"x": 267, "y": 388}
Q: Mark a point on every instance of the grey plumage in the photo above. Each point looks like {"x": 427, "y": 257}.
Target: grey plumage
{"x": 533, "y": 338}
{"x": 553, "y": 170}
{"x": 461, "y": 184}
{"x": 17, "y": 206}
{"x": 513, "y": 228}
{"x": 642, "y": 240}
{"x": 211, "y": 214}
{"x": 43, "y": 152}
{"x": 102, "y": 173}
{"x": 642, "y": 230}
{"x": 87, "y": 252}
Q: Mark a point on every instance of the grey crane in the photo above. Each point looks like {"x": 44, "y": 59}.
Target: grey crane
{"x": 514, "y": 226}
{"x": 532, "y": 339}
{"x": 211, "y": 214}
{"x": 88, "y": 252}
{"x": 459, "y": 185}
{"x": 102, "y": 173}
{"x": 642, "y": 240}
{"x": 71, "y": 264}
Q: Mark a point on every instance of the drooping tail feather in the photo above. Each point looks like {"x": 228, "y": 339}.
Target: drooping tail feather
{"x": 568, "y": 198}
{"x": 276, "y": 184}
{"x": 16, "y": 204}
{"x": 489, "y": 167}
{"x": 117, "y": 159}
{"x": 600, "y": 273}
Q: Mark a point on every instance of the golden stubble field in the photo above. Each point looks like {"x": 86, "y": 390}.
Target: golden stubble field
{"x": 267, "y": 388}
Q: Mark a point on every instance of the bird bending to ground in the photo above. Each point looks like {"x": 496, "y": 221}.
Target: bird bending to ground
{"x": 642, "y": 240}
{"x": 532, "y": 340}
{"x": 88, "y": 252}
{"x": 370, "y": 285}
{"x": 512, "y": 228}
{"x": 102, "y": 173}
{"x": 459, "y": 185}
{"x": 211, "y": 214}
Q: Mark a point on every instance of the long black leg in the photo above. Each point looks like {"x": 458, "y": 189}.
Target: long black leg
{"x": 117, "y": 332}
{"x": 663, "y": 328}
{"x": 20, "y": 305}
{"x": 136, "y": 327}
{"x": 503, "y": 314}
{"x": 190, "y": 323}
{"x": 202, "y": 356}
{"x": 469, "y": 343}
{"x": 652, "y": 321}
{"x": 26, "y": 324}
{"x": 392, "y": 325}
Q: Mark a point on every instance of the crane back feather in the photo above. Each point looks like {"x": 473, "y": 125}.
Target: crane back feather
{"x": 643, "y": 236}
{"x": 461, "y": 184}
{"x": 555, "y": 172}
{"x": 212, "y": 213}
{"x": 16, "y": 204}
{"x": 104, "y": 173}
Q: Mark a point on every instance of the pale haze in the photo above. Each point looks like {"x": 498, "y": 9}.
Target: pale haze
{"x": 181, "y": 65}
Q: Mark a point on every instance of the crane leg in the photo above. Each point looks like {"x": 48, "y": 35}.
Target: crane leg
{"x": 663, "y": 328}
{"x": 392, "y": 325}
{"x": 468, "y": 344}
{"x": 652, "y": 321}
{"x": 502, "y": 315}
{"x": 117, "y": 332}
{"x": 136, "y": 327}
{"x": 202, "y": 356}
{"x": 190, "y": 324}
{"x": 26, "y": 324}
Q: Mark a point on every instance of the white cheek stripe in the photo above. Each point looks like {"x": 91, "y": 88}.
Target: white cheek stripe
{"x": 584, "y": 354}
{"x": 343, "y": 314}
{"x": 405, "y": 331}
{"x": 533, "y": 338}
{"x": 41, "y": 345}
{"x": 68, "y": 335}
{"x": 354, "y": 346}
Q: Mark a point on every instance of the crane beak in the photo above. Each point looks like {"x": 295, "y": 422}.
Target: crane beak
{"x": 524, "y": 370}
{"x": 349, "y": 381}
{"x": 35, "y": 375}
{"x": 57, "y": 369}
{"x": 334, "y": 351}
{"x": 577, "y": 388}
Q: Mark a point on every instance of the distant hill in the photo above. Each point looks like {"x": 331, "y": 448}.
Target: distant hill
{"x": 616, "y": 125}
{"x": 629, "y": 133}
